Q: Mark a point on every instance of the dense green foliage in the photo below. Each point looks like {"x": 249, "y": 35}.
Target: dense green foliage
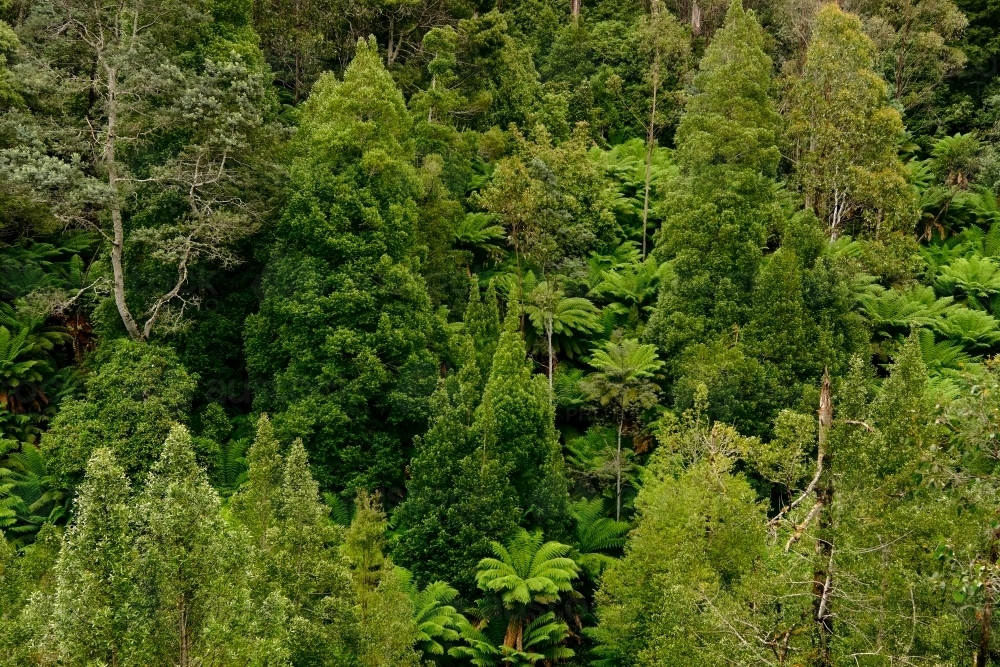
{"x": 499, "y": 334}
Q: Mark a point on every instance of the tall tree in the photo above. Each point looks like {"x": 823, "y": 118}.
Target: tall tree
{"x": 195, "y": 589}
{"x": 623, "y": 383}
{"x": 311, "y": 572}
{"x": 96, "y": 619}
{"x": 384, "y": 610}
{"x": 151, "y": 65}
{"x": 845, "y": 134}
{"x": 515, "y": 425}
{"x": 719, "y": 212}
{"x": 458, "y": 500}
{"x": 341, "y": 345}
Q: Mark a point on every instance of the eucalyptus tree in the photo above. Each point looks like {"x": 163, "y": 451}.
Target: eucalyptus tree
{"x": 845, "y": 134}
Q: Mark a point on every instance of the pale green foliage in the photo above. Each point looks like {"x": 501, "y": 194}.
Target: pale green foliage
{"x": 526, "y": 571}
{"x": 256, "y": 503}
{"x": 527, "y": 575}
{"x": 198, "y": 600}
{"x": 97, "y": 616}
{"x": 844, "y": 133}
{"x": 700, "y": 534}
{"x": 385, "y": 613}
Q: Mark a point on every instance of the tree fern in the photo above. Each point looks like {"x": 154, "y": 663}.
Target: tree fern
{"x": 974, "y": 330}
{"x": 938, "y": 356}
{"x": 976, "y": 279}
{"x": 596, "y": 534}
{"x": 437, "y": 622}
{"x": 892, "y": 313}
{"x": 229, "y": 470}
{"x": 477, "y": 231}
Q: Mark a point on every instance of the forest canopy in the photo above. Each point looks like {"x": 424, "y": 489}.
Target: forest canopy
{"x": 468, "y": 333}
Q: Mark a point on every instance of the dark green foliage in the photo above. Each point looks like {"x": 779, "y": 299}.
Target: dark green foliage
{"x": 340, "y": 348}
{"x": 458, "y": 498}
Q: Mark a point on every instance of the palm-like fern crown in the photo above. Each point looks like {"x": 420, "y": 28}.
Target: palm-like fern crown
{"x": 893, "y": 312}
{"x": 594, "y": 531}
{"x": 975, "y": 330}
{"x": 634, "y": 284}
{"x": 436, "y": 620}
{"x": 976, "y": 278}
{"x": 527, "y": 570}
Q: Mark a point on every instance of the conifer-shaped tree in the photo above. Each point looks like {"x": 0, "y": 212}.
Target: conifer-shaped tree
{"x": 194, "y": 586}
{"x": 94, "y": 610}
{"x": 719, "y": 212}
{"x": 515, "y": 425}
{"x": 388, "y": 633}
{"x": 458, "y": 498}
{"x": 311, "y": 572}
{"x": 482, "y": 323}
{"x": 341, "y": 342}
{"x": 256, "y": 503}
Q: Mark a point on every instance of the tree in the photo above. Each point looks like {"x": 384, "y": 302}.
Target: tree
{"x": 458, "y": 500}
{"x": 525, "y": 572}
{"x": 698, "y": 554}
{"x": 718, "y": 213}
{"x": 310, "y": 572}
{"x": 134, "y": 397}
{"x": 515, "y": 425}
{"x": 255, "y": 504}
{"x": 190, "y": 570}
{"x": 385, "y": 612}
{"x": 845, "y": 134}
{"x": 623, "y": 383}
{"x": 916, "y": 46}
{"x": 482, "y": 323}
{"x": 95, "y": 618}
{"x": 342, "y": 343}
{"x": 154, "y": 64}
{"x": 666, "y": 43}
{"x": 553, "y": 313}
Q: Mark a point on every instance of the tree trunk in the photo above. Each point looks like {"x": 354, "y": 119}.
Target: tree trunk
{"x": 618, "y": 472}
{"x": 981, "y": 658}
{"x": 548, "y": 331}
{"x": 118, "y": 241}
{"x": 650, "y": 139}
{"x": 823, "y": 567}
{"x": 574, "y": 9}
{"x": 184, "y": 634}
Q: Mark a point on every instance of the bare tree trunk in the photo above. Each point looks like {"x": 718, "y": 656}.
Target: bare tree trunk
{"x": 823, "y": 567}
{"x": 574, "y": 9}
{"x": 549, "y": 334}
{"x": 118, "y": 241}
{"x": 618, "y": 471}
{"x": 650, "y": 134}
